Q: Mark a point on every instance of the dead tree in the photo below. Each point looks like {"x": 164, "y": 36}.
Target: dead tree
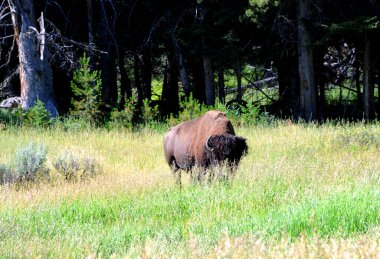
{"x": 35, "y": 69}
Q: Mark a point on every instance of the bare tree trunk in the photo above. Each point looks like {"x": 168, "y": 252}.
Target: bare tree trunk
{"x": 185, "y": 79}
{"x": 221, "y": 85}
{"x": 196, "y": 69}
{"x": 288, "y": 81}
{"x": 368, "y": 88}
{"x": 108, "y": 66}
{"x": 35, "y": 73}
{"x": 137, "y": 79}
{"x": 209, "y": 80}
{"x": 91, "y": 41}
{"x": 320, "y": 81}
{"x": 294, "y": 82}
{"x": 146, "y": 75}
{"x": 238, "y": 80}
{"x": 308, "y": 100}
{"x": 208, "y": 77}
{"x": 125, "y": 82}
{"x": 357, "y": 79}
{"x": 170, "y": 98}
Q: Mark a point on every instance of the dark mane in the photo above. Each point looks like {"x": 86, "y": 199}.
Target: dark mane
{"x": 225, "y": 147}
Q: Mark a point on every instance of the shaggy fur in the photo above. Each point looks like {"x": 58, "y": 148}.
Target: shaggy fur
{"x": 225, "y": 147}
{"x": 185, "y": 143}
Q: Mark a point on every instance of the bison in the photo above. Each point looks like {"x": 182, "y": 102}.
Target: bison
{"x": 203, "y": 142}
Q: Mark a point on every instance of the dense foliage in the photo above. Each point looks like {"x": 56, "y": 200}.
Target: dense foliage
{"x": 242, "y": 53}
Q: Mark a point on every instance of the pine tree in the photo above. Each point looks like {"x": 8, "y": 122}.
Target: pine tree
{"x": 86, "y": 87}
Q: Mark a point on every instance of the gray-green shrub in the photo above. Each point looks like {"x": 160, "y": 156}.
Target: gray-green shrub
{"x": 30, "y": 162}
{"x": 73, "y": 168}
{"x": 67, "y": 165}
{"x": 90, "y": 168}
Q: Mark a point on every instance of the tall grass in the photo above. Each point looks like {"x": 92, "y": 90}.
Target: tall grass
{"x": 302, "y": 190}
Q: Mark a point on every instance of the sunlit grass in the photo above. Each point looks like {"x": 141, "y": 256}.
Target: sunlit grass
{"x": 302, "y": 190}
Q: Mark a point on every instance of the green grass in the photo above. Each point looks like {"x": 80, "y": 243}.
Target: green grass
{"x": 297, "y": 181}
{"x": 110, "y": 225}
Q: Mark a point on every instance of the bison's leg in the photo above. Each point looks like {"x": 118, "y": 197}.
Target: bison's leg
{"x": 177, "y": 177}
{"x": 176, "y": 172}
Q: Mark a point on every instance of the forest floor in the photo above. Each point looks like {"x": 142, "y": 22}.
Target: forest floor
{"x": 302, "y": 191}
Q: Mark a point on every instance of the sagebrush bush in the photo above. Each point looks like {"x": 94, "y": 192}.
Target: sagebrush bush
{"x": 67, "y": 165}
{"x": 74, "y": 168}
{"x": 30, "y": 162}
{"x": 90, "y": 168}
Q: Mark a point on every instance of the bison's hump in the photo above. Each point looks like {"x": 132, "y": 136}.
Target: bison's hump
{"x": 215, "y": 114}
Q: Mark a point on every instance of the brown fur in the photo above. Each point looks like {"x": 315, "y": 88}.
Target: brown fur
{"x": 185, "y": 143}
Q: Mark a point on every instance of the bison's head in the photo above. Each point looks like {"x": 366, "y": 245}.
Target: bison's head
{"x": 225, "y": 147}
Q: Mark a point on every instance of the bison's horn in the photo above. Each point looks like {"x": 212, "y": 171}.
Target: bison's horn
{"x": 207, "y": 146}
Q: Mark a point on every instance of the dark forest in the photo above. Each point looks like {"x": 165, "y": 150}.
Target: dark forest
{"x": 299, "y": 59}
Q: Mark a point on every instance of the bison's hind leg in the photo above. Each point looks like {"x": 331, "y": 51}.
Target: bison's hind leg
{"x": 177, "y": 177}
{"x": 176, "y": 172}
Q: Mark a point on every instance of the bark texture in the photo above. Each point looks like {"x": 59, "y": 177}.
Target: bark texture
{"x": 35, "y": 74}
{"x": 308, "y": 100}
{"x": 185, "y": 79}
{"x": 368, "y": 87}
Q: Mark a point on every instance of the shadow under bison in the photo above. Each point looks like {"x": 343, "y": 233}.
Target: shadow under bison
{"x": 205, "y": 142}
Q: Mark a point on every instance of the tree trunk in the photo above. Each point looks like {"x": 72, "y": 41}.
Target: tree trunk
{"x": 209, "y": 80}
{"x": 288, "y": 80}
{"x": 239, "y": 96}
{"x": 357, "y": 80}
{"x": 208, "y": 77}
{"x": 170, "y": 99}
{"x": 368, "y": 88}
{"x": 283, "y": 82}
{"x": 108, "y": 66}
{"x": 125, "y": 82}
{"x": 146, "y": 75}
{"x": 308, "y": 100}
{"x": 294, "y": 81}
{"x": 137, "y": 79}
{"x": 196, "y": 69}
{"x": 185, "y": 79}
{"x": 35, "y": 73}
{"x": 221, "y": 85}
{"x": 90, "y": 25}
{"x": 320, "y": 81}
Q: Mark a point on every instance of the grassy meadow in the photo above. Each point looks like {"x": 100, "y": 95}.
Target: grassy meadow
{"x": 302, "y": 191}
